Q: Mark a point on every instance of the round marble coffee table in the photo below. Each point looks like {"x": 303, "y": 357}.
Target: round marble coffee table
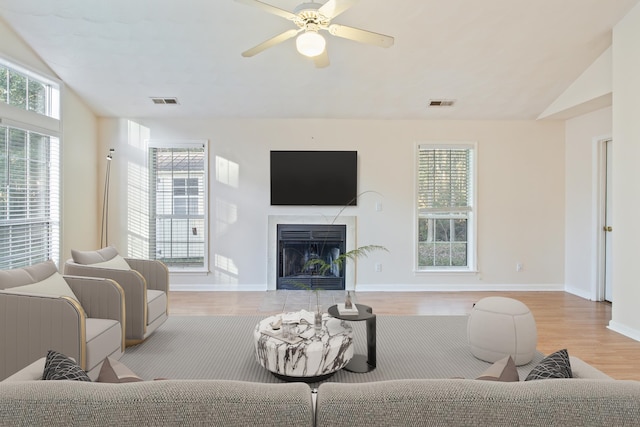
{"x": 312, "y": 357}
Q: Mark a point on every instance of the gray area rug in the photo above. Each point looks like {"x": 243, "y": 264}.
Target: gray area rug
{"x": 222, "y": 347}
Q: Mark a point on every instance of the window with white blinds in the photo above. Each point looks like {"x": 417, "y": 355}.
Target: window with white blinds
{"x": 178, "y": 205}
{"x": 445, "y": 207}
{"x": 29, "y": 167}
{"x": 29, "y": 197}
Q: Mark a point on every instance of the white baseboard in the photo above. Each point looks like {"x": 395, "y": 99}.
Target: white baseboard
{"x": 580, "y": 292}
{"x": 191, "y": 287}
{"x": 459, "y": 288}
{"x": 624, "y": 330}
{"x": 386, "y": 288}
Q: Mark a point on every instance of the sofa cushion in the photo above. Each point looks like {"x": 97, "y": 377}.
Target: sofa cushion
{"x": 156, "y": 304}
{"x": 115, "y": 263}
{"x": 503, "y": 370}
{"x": 94, "y": 257}
{"x": 102, "y": 258}
{"x": 26, "y": 275}
{"x": 113, "y": 371}
{"x": 555, "y": 365}
{"x": 52, "y": 285}
{"x": 101, "y": 335}
{"x": 60, "y": 367}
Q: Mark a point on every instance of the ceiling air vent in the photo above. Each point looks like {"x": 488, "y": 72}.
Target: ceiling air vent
{"x": 441, "y": 103}
{"x": 170, "y": 101}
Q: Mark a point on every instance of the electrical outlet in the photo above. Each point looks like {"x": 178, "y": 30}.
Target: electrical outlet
{"x": 378, "y": 267}
{"x": 519, "y": 267}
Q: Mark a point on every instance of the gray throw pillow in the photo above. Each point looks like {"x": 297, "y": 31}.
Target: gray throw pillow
{"x": 555, "y": 365}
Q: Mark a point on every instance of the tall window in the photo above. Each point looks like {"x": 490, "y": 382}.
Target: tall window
{"x": 29, "y": 169}
{"x": 445, "y": 201}
{"x": 178, "y": 199}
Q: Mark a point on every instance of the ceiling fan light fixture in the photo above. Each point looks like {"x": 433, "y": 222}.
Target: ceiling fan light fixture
{"x": 310, "y": 43}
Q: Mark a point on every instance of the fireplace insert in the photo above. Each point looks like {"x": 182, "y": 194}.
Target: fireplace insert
{"x": 300, "y": 243}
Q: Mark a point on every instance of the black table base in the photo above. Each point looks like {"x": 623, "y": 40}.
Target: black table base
{"x": 361, "y": 363}
{"x": 303, "y": 379}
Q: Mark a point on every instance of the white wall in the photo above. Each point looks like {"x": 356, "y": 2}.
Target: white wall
{"x": 80, "y": 186}
{"x": 582, "y": 134}
{"x": 79, "y": 141}
{"x": 520, "y": 209}
{"x": 626, "y": 175}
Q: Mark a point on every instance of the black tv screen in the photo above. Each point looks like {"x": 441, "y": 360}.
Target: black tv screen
{"x": 314, "y": 178}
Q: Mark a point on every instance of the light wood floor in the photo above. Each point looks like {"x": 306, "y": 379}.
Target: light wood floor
{"x": 563, "y": 320}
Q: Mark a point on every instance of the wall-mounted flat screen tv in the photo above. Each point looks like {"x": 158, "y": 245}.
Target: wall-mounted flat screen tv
{"x": 314, "y": 178}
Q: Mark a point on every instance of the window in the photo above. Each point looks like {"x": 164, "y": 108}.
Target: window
{"x": 29, "y": 198}
{"x": 178, "y": 189}
{"x": 25, "y": 90}
{"x": 445, "y": 207}
{"x": 29, "y": 168}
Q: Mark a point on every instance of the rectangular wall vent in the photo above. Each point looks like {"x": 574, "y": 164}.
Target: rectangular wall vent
{"x": 441, "y": 102}
{"x": 171, "y": 101}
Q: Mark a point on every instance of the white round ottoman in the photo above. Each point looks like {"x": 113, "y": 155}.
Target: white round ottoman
{"x": 499, "y": 327}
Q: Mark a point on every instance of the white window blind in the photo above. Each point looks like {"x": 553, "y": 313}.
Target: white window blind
{"x": 178, "y": 189}
{"x": 445, "y": 206}
{"x": 29, "y": 197}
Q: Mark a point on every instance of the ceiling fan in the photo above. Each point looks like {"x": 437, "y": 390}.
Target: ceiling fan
{"x": 310, "y": 18}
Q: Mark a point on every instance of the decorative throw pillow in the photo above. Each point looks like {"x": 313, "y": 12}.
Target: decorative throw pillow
{"x": 113, "y": 371}
{"x": 503, "y": 370}
{"x": 60, "y": 367}
{"x": 555, "y": 365}
{"x": 52, "y": 285}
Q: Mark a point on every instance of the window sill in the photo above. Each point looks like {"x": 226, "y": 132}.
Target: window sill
{"x": 195, "y": 272}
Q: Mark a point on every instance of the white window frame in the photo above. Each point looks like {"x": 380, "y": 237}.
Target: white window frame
{"x": 49, "y": 125}
{"x": 53, "y": 87}
{"x": 472, "y": 215}
{"x": 184, "y": 144}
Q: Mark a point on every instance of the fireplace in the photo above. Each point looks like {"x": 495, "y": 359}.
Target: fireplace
{"x": 299, "y": 245}
{"x": 273, "y": 247}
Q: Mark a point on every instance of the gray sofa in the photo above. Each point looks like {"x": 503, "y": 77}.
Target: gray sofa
{"x": 552, "y": 402}
{"x": 590, "y": 399}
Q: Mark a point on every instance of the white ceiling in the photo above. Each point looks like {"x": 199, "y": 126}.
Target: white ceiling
{"x": 500, "y": 59}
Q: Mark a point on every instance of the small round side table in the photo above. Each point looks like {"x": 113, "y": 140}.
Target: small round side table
{"x": 361, "y": 363}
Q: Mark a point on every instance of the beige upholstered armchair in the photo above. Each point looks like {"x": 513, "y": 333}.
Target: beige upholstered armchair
{"x": 41, "y": 310}
{"x": 145, "y": 284}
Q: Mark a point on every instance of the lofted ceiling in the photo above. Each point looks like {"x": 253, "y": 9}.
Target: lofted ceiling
{"x": 499, "y": 59}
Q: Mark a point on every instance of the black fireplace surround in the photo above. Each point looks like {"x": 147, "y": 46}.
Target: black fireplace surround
{"x": 300, "y": 243}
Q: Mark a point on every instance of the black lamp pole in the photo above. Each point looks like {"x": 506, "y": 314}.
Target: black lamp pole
{"x": 104, "y": 232}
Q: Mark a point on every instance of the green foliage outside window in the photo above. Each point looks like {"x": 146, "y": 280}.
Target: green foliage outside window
{"x": 23, "y": 92}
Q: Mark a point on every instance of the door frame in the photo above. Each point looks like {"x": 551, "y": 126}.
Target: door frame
{"x": 599, "y": 210}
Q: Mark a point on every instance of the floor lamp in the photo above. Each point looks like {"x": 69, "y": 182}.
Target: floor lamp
{"x": 104, "y": 231}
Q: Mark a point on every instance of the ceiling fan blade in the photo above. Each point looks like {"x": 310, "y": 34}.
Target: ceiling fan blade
{"x": 333, "y": 8}
{"x": 322, "y": 60}
{"x": 362, "y": 36}
{"x": 269, "y": 8}
{"x": 270, "y": 43}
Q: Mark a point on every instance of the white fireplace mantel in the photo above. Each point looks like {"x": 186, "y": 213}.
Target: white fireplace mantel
{"x": 272, "y": 242}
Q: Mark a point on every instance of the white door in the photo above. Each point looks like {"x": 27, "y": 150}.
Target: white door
{"x": 608, "y": 227}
